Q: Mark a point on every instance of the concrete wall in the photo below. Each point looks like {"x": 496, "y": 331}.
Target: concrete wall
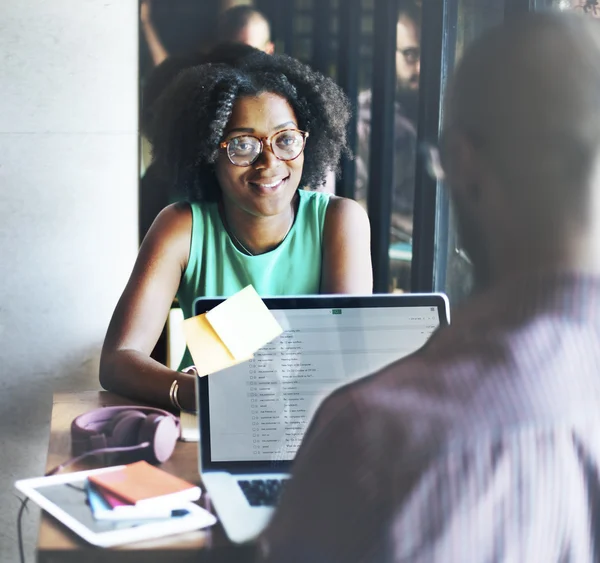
{"x": 68, "y": 213}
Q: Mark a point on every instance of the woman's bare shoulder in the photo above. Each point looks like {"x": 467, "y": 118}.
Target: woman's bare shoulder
{"x": 346, "y": 248}
{"x": 170, "y": 232}
{"x": 344, "y": 209}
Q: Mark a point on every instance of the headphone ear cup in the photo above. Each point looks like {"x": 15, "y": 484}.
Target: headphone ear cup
{"x": 124, "y": 428}
{"x": 162, "y": 433}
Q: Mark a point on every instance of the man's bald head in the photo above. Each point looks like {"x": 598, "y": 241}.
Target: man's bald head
{"x": 244, "y": 24}
{"x": 523, "y": 117}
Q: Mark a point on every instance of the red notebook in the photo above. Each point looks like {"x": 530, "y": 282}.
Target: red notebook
{"x": 112, "y": 500}
{"x": 143, "y": 484}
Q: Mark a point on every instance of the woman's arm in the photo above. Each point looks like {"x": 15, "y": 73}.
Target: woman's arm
{"x": 346, "y": 249}
{"x": 155, "y": 46}
{"x": 125, "y": 364}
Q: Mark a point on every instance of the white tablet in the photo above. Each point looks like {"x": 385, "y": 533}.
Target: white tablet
{"x": 65, "y": 498}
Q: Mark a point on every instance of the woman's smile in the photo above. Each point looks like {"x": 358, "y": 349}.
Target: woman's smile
{"x": 268, "y": 186}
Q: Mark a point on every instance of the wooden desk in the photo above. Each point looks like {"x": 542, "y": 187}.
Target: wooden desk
{"x": 58, "y": 544}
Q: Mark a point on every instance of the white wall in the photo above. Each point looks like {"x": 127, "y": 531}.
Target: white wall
{"x": 68, "y": 213}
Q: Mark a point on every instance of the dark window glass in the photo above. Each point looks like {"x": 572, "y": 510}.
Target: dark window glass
{"x": 453, "y": 273}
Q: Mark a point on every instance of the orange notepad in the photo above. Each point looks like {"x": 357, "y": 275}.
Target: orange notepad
{"x": 143, "y": 484}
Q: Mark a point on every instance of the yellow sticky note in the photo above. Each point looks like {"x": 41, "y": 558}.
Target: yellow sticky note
{"x": 208, "y": 350}
{"x": 244, "y": 323}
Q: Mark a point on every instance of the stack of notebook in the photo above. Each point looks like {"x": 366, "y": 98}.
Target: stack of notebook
{"x": 139, "y": 491}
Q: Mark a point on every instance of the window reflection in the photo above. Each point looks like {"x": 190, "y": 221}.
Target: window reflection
{"x": 586, "y": 7}
{"x": 473, "y": 17}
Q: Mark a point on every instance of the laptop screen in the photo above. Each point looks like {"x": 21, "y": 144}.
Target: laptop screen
{"x": 258, "y": 411}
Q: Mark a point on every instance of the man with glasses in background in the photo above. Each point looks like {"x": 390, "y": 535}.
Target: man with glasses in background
{"x": 408, "y": 70}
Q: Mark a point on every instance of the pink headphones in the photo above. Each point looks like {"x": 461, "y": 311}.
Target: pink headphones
{"x": 150, "y": 433}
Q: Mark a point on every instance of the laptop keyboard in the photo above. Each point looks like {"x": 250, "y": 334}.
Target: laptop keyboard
{"x": 262, "y": 492}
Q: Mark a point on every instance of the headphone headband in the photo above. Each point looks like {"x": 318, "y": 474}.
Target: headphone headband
{"x": 91, "y": 430}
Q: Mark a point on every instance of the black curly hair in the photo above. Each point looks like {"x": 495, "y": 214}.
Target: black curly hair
{"x": 226, "y": 52}
{"x": 193, "y": 112}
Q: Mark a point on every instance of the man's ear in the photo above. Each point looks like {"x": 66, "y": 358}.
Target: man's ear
{"x": 461, "y": 166}
{"x": 269, "y": 48}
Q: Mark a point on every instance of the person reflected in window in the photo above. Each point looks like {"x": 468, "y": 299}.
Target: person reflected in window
{"x": 239, "y": 24}
{"x": 408, "y": 69}
{"x": 483, "y": 445}
{"x": 249, "y": 144}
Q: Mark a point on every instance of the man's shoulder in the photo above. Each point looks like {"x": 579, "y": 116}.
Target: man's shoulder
{"x": 415, "y": 390}
{"x": 456, "y": 382}
{"x": 486, "y": 371}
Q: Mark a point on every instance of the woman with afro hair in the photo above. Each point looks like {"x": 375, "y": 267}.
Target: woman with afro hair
{"x": 249, "y": 143}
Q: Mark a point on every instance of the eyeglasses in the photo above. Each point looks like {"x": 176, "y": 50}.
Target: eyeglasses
{"x": 286, "y": 145}
{"x": 412, "y": 55}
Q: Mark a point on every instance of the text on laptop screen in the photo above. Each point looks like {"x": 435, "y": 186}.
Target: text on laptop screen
{"x": 259, "y": 410}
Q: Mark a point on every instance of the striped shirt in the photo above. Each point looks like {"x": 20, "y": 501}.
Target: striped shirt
{"x": 484, "y": 446}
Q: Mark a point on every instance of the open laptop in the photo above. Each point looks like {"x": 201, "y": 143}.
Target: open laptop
{"x": 253, "y": 416}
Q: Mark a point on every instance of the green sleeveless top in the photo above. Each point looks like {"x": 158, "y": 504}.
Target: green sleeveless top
{"x": 216, "y": 268}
